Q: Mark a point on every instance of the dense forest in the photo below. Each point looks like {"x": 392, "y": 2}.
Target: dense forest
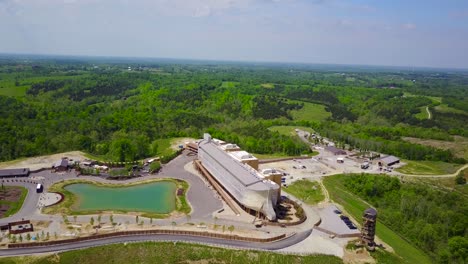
{"x": 434, "y": 220}
{"x": 118, "y": 109}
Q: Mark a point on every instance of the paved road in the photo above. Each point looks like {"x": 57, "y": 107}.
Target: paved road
{"x": 30, "y": 202}
{"x": 201, "y": 198}
{"x": 140, "y": 238}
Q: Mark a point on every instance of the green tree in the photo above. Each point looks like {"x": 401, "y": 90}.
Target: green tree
{"x": 91, "y": 221}
{"x": 458, "y": 248}
{"x": 154, "y": 148}
{"x": 28, "y": 237}
{"x": 231, "y": 228}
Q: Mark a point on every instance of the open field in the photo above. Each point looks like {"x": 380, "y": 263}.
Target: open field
{"x": 428, "y": 167}
{"x": 229, "y": 84}
{"x": 11, "y": 199}
{"x": 446, "y": 183}
{"x": 433, "y": 98}
{"x": 310, "y": 112}
{"x": 289, "y": 130}
{"x": 307, "y": 191}
{"x": 168, "y": 252}
{"x": 267, "y": 85}
{"x": 14, "y": 90}
{"x": 422, "y": 114}
{"x": 67, "y": 205}
{"x": 355, "y": 206}
{"x": 444, "y": 108}
{"x": 39, "y": 162}
{"x": 459, "y": 147}
{"x": 167, "y": 146}
{"x": 8, "y": 87}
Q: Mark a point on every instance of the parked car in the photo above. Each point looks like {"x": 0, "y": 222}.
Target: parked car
{"x": 336, "y": 211}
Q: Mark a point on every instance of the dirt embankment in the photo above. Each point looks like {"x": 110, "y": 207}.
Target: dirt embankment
{"x": 39, "y": 162}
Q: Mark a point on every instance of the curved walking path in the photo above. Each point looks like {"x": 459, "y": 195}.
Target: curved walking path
{"x": 429, "y": 116}
{"x": 433, "y": 176}
{"x": 289, "y": 241}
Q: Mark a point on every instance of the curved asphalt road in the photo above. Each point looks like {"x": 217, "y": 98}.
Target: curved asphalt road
{"x": 201, "y": 198}
{"x": 289, "y": 241}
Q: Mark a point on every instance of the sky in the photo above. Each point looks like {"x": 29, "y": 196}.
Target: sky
{"x": 411, "y": 33}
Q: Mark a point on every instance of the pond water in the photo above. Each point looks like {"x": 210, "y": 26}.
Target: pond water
{"x": 156, "y": 197}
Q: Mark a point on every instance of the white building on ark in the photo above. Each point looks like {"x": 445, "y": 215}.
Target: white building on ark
{"x": 246, "y": 185}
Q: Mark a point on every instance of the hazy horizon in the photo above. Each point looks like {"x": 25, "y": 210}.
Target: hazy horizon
{"x": 428, "y": 34}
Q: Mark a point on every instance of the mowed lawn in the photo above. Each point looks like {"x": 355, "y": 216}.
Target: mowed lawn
{"x": 14, "y": 91}
{"x": 289, "y": 130}
{"x": 355, "y": 206}
{"x": 422, "y": 113}
{"x": 229, "y": 84}
{"x": 168, "y": 252}
{"x": 428, "y": 167}
{"x": 310, "y": 112}
{"x": 307, "y": 191}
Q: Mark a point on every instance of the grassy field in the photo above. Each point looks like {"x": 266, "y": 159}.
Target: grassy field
{"x": 434, "y": 99}
{"x": 444, "y": 108}
{"x": 168, "y": 252}
{"x": 270, "y": 156}
{"x": 422, "y": 114}
{"x": 428, "y": 167}
{"x": 355, "y": 206}
{"x": 447, "y": 183}
{"x": 66, "y": 207}
{"x": 459, "y": 146}
{"x": 8, "y": 87}
{"x": 14, "y": 206}
{"x": 14, "y": 90}
{"x": 307, "y": 191}
{"x": 229, "y": 84}
{"x": 267, "y": 85}
{"x": 310, "y": 112}
{"x": 289, "y": 130}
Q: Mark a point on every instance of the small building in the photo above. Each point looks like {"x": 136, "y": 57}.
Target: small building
{"x": 230, "y": 147}
{"x": 388, "y": 161}
{"x": 20, "y": 227}
{"x": 61, "y": 165}
{"x": 6, "y": 173}
{"x": 245, "y": 158}
{"x": 335, "y": 151}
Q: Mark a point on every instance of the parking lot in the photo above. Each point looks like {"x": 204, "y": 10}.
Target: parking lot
{"x": 332, "y": 221}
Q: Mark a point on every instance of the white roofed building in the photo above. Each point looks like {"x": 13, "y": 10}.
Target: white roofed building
{"x": 246, "y": 185}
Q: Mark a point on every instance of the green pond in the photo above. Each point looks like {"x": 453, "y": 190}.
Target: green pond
{"x": 156, "y": 197}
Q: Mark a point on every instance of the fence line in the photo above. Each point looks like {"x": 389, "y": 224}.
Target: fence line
{"x": 147, "y": 232}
